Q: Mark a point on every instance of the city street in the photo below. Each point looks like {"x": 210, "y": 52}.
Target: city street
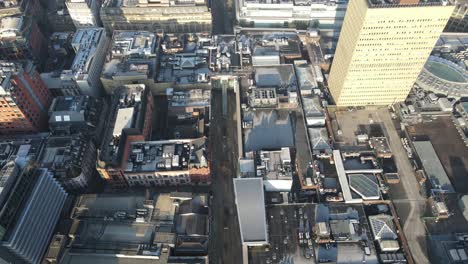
{"x": 223, "y": 16}
{"x": 225, "y": 241}
{"x": 413, "y": 227}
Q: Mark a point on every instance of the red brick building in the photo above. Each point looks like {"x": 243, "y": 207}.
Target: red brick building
{"x": 24, "y": 99}
{"x": 130, "y": 120}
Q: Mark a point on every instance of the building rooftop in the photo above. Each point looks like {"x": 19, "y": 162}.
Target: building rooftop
{"x": 250, "y": 198}
{"x": 380, "y": 146}
{"x": 85, "y": 43}
{"x": 14, "y": 156}
{"x": 404, "y": 3}
{"x": 280, "y": 77}
{"x": 444, "y": 76}
{"x": 305, "y": 75}
{"x": 312, "y": 106}
{"x": 61, "y": 53}
{"x": 169, "y": 155}
{"x": 319, "y": 139}
{"x": 382, "y": 227}
{"x": 298, "y": 2}
{"x": 132, "y": 54}
{"x": 64, "y": 154}
{"x": 190, "y": 98}
{"x": 272, "y": 164}
{"x": 8, "y": 70}
{"x": 11, "y": 26}
{"x": 432, "y": 166}
{"x": 261, "y": 43}
{"x": 107, "y": 205}
{"x": 129, "y": 110}
{"x": 150, "y": 3}
{"x": 66, "y": 110}
{"x": 342, "y": 177}
{"x": 365, "y": 185}
{"x": 9, "y": 3}
{"x": 134, "y": 43}
{"x": 139, "y": 225}
{"x": 258, "y": 136}
{"x": 187, "y": 58}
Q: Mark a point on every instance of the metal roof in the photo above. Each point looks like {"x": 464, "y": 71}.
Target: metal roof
{"x": 365, "y": 185}
{"x": 382, "y": 227}
{"x": 250, "y": 203}
{"x": 432, "y": 166}
{"x": 319, "y": 138}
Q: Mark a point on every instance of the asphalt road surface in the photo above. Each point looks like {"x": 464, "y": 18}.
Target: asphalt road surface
{"x": 225, "y": 243}
{"x": 223, "y": 16}
{"x": 413, "y": 227}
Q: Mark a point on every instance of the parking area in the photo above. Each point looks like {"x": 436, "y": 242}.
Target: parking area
{"x": 290, "y": 236}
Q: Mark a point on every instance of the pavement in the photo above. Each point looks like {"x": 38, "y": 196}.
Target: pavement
{"x": 225, "y": 242}
{"x": 413, "y": 227}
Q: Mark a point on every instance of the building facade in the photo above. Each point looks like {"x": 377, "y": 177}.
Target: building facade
{"x": 325, "y": 15}
{"x": 382, "y": 48}
{"x": 458, "y": 22}
{"x": 24, "y": 99}
{"x": 84, "y": 13}
{"x": 167, "y": 163}
{"x": 90, "y": 45}
{"x": 167, "y": 16}
{"x": 36, "y": 217}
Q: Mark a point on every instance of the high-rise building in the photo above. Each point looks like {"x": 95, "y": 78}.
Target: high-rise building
{"x": 34, "y": 199}
{"x": 84, "y": 13}
{"x": 458, "y": 22}
{"x": 24, "y": 98}
{"x": 30, "y": 200}
{"x": 90, "y": 46}
{"x": 383, "y": 46}
{"x": 184, "y": 16}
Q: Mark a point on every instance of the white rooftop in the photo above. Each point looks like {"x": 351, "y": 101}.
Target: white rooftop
{"x": 124, "y": 120}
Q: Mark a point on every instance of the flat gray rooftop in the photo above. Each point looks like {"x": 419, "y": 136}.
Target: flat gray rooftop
{"x": 432, "y": 166}
{"x": 96, "y": 205}
{"x": 250, "y": 203}
{"x": 272, "y": 129}
{"x": 107, "y": 259}
{"x": 115, "y": 232}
